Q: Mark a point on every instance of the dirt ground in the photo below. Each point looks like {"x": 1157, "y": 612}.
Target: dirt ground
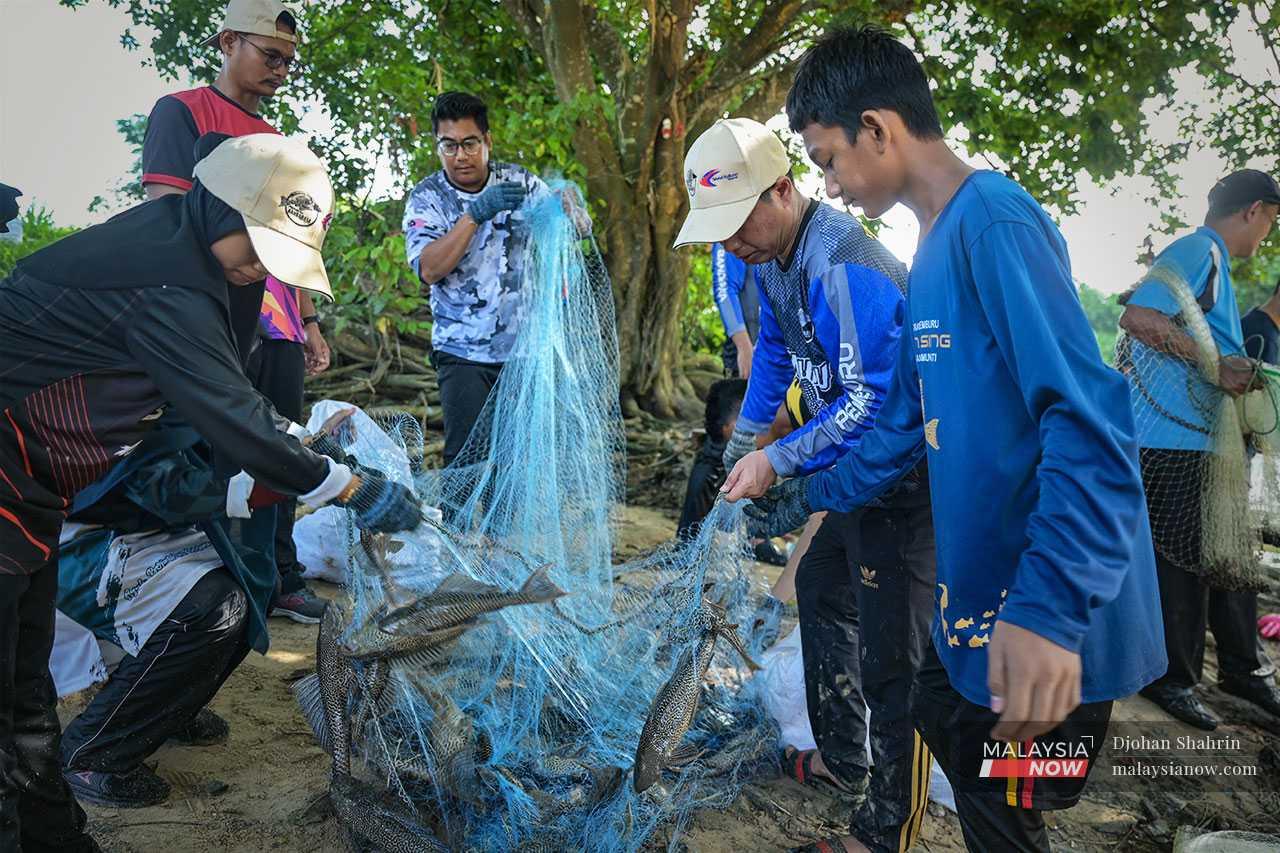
{"x": 262, "y": 790}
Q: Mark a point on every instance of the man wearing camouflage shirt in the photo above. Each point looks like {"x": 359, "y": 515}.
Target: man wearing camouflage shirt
{"x": 464, "y": 236}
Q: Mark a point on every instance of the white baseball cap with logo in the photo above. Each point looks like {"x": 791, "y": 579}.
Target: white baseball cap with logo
{"x": 255, "y": 17}
{"x": 726, "y": 170}
{"x": 283, "y": 192}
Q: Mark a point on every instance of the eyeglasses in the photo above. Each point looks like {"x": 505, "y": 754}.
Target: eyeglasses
{"x": 274, "y": 59}
{"x": 449, "y": 147}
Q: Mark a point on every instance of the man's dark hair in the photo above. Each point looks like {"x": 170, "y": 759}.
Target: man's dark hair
{"x": 286, "y": 20}
{"x": 850, "y": 71}
{"x": 451, "y": 106}
{"x": 1276, "y": 289}
{"x": 724, "y": 398}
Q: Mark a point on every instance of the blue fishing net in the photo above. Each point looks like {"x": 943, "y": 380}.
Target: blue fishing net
{"x": 521, "y": 733}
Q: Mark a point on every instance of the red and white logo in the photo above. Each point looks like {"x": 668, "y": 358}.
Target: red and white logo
{"x": 1032, "y": 760}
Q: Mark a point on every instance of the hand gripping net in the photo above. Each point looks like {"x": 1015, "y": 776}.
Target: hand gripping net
{"x": 522, "y": 733}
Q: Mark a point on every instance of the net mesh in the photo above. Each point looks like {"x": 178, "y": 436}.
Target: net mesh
{"x": 1200, "y": 447}
{"x": 520, "y": 731}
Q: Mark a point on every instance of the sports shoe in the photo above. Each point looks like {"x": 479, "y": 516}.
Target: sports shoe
{"x": 138, "y": 788}
{"x": 204, "y": 729}
{"x": 766, "y": 552}
{"x": 303, "y": 606}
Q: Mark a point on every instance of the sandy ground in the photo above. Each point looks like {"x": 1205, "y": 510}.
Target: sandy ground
{"x": 263, "y": 789}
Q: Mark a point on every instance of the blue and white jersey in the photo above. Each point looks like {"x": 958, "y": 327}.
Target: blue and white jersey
{"x": 733, "y": 286}
{"x": 831, "y": 319}
{"x": 477, "y": 308}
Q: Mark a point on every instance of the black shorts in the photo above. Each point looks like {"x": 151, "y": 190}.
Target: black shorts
{"x": 958, "y": 733}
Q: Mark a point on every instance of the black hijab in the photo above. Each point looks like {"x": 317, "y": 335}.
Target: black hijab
{"x": 162, "y": 242}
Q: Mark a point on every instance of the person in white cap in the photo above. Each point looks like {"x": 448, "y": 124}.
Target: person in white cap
{"x": 258, "y": 41}
{"x": 831, "y": 308}
{"x": 99, "y": 334}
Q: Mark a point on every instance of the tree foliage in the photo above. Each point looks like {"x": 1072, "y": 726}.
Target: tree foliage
{"x": 38, "y": 231}
{"x": 611, "y": 92}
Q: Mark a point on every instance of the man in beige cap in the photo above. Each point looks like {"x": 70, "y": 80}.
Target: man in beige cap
{"x": 258, "y": 40}
{"x": 831, "y": 308}
{"x": 103, "y": 331}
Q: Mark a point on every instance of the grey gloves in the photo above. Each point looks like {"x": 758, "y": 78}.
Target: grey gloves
{"x": 383, "y": 506}
{"x": 507, "y": 195}
{"x": 782, "y": 509}
{"x": 740, "y": 444}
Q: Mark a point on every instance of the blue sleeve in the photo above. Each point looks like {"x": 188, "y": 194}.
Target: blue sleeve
{"x": 857, "y": 313}
{"x": 177, "y": 491}
{"x": 1183, "y": 260}
{"x": 884, "y": 454}
{"x": 727, "y": 277}
{"x": 1081, "y": 535}
{"x": 771, "y": 373}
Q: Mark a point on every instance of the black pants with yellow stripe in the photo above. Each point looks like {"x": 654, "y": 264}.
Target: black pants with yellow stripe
{"x": 865, "y": 596}
{"x": 1000, "y": 812}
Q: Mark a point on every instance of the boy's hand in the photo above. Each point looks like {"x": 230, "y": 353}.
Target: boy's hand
{"x": 1235, "y": 374}
{"x": 750, "y": 478}
{"x": 1034, "y": 682}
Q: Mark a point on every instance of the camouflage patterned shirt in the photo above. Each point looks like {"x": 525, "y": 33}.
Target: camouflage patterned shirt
{"x": 476, "y": 308}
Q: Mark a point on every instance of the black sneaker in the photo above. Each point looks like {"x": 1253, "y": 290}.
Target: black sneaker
{"x": 204, "y": 729}
{"x": 136, "y": 789}
{"x": 303, "y": 606}
{"x": 1259, "y": 691}
{"x": 1181, "y": 704}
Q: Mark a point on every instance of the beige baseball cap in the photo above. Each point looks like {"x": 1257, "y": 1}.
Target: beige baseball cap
{"x": 725, "y": 172}
{"x": 283, "y": 192}
{"x": 257, "y": 17}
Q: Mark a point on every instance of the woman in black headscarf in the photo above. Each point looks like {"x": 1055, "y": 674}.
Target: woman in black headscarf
{"x": 99, "y": 334}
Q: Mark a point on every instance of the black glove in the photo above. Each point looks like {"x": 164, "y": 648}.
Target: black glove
{"x": 739, "y": 445}
{"x": 782, "y": 509}
{"x": 382, "y": 506}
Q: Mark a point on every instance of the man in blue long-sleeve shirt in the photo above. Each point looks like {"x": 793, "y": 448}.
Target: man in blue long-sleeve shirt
{"x": 831, "y": 309}
{"x": 1046, "y": 594}
{"x": 733, "y": 288}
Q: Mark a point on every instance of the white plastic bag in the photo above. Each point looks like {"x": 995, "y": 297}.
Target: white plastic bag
{"x": 782, "y": 689}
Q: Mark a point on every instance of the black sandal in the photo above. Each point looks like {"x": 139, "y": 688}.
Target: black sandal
{"x": 798, "y": 765}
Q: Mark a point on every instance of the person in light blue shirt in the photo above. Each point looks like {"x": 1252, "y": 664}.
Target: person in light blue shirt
{"x": 1175, "y": 410}
{"x": 733, "y": 286}
{"x": 1046, "y": 607}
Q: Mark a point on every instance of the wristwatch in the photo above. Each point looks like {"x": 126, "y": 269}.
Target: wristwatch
{"x": 311, "y": 318}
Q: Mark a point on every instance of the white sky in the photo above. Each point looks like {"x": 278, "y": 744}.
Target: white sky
{"x": 65, "y": 80}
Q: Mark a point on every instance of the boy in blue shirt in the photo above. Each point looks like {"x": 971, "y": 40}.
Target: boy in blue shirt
{"x": 831, "y": 309}
{"x": 1047, "y": 606}
{"x": 1175, "y": 438}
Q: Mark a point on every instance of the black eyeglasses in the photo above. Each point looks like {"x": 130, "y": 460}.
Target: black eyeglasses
{"x": 449, "y": 147}
{"x": 274, "y": 59}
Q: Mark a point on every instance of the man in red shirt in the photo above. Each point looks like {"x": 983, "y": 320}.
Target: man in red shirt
{"x": 258, "y": 39}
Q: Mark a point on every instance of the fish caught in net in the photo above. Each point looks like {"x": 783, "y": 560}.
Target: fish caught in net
{"x": 1199, "y": 445}
{"x": 492, "y": 680}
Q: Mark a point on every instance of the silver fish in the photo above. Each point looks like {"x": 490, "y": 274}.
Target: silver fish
{"x": 336, "y": 677}
{"x": 405, "y": 649}
{"x": 392, "y": 830}
{"x": 457, "y": 748}
{"x": 676, "y": 704}
{"x": 459, "y": 599}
